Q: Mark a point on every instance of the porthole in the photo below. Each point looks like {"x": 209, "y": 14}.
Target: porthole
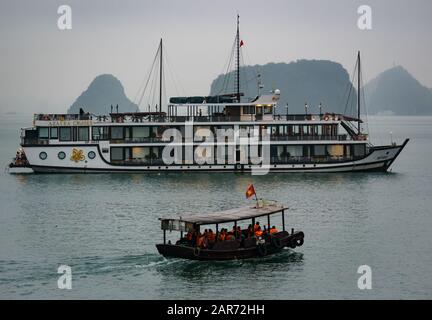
{"x": 61, "y": 155}
{"x": 43, "y": 155}
{"x": 91, "y": 155}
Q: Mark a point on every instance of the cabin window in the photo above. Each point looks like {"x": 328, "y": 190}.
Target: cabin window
{"x": 43, "y": 132}
{"x": 140, "y": 132}
{"x": 117, "y": 133}
{"x": 100, "y": 133}
{"x": 83, "y": 133}
{"x": 248, "y": 109}
{"x": 140, "y": 153}
{"x": 259, "y": 110}
{"x": 281, "y": 152}
{"x": 54, "y": 133}
{"x": 336, "y": 150}
{"x": 294, "y": 151}
{"x": 359, "y": 150}
{"x": 65, "y": 133}
{"x": 268, "y": 110}
{"x": 116, "y": 154}
{"x": 320, "y": 150}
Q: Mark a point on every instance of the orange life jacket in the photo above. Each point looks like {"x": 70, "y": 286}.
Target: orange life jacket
{"x": 273, "y": 230}
{"x": 258, "y": 233}
{"x": 211, "y": 237}
{"x": 201, "y": 241}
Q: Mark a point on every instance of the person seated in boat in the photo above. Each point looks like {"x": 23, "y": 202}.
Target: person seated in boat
{"x": 264, "y": 230}
{"x": 189, "y": 237}
{"x": 258, "y": 232}
{"x": 222, "y": 235}
{"x": 201, "y": 241}
{"x": 211, "y": 237}
{"x": 240, "y": 234}
{"x": 273, "y": 230}
{"x": 250, "y": 231}
{"x": 194, "y": 239}
{"x": 229, "y": 237}
{"x": 256, "y": 226}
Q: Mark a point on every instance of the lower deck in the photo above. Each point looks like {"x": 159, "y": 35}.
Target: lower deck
{"x": 92, "y": 158}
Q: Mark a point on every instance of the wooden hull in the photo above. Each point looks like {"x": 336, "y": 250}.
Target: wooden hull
{"x": 193, "y": 253}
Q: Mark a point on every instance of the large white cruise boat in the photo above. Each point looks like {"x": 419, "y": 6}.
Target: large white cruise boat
{"x": 212, "y": 133}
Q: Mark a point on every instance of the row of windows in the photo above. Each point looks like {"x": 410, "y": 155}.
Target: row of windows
{"x": 64, "y": 133}
{"x": 336, "y": 150}
{"x": 277, "y": 153}
{"x": 135, "y": 132}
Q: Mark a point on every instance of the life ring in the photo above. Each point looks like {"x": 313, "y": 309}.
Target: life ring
{"x": 276, "y": 242}
{"x": 326, "y": 118}
{"x": 299, "y": 242}
{"x": 262, "y": 250}
{"x": 197, "y": 251}
{"x": 293, "y": 244}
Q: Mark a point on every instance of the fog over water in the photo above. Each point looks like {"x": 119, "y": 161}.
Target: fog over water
{"x": 44, "y": 69}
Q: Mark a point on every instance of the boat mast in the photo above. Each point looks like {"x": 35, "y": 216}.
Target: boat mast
{"x": 160, "y": 77}
{"x": 238, "y": 60}
{"x": 358, "y": 92}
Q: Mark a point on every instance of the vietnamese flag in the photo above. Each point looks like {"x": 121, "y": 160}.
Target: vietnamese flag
{"x": 241, "y": 43}
{"x": 250, "y": 191}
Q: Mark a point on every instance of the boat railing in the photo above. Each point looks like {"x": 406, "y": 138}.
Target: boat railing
{"x": 139, "y": 161}
{"x": 215, "y": 117}
{"x": 340, "y": 137}
{"x": 312, "y": 159}
{"x": 139, "y": 140}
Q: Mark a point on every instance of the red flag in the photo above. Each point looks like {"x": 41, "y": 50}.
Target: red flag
{"x": 241, "y": 43}
{"x": 250, "y": 191}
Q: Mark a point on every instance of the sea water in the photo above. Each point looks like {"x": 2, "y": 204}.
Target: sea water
{"x": 105, "y": 227}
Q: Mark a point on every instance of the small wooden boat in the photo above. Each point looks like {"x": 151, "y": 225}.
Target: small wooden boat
{"x": 241, "y": 247}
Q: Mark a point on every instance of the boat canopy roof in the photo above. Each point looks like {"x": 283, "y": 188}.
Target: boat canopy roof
{"x": 237, "y": 214}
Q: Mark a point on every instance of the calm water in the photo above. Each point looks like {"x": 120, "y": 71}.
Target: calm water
{"x": 105, "y": 226}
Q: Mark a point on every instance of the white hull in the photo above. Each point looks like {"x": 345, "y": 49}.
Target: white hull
{"x": 379, "y": 159}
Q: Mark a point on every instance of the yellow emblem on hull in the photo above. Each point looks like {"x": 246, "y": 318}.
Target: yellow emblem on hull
{"x": 77, "y": 155}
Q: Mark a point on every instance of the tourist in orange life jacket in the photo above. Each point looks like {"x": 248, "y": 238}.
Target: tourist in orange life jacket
{"x": 211, "y": 237}
{"x": 222, "y": 235}
{"x": 258, "y": 232}
{"x": 201, "y": 243}
{"x": 256, "y": 226}
{"x": 273, "y": 230}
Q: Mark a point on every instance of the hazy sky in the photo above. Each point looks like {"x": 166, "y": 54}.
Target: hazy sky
{"x": 43, "y": 68}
